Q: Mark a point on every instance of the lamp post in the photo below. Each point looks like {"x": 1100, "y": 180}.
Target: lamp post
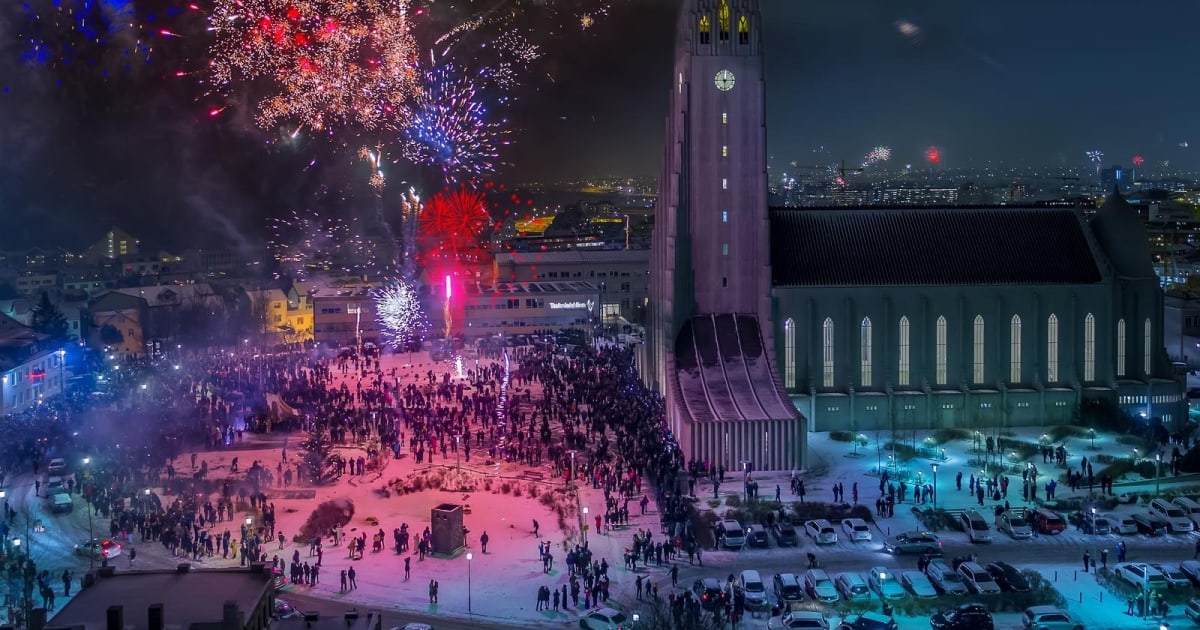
{"x": 87, "y": 474}
{"x": 934, "y": 467}
{"x": 1092, "y": 437}
{"x": 469, "y": 557}
{"x": 457, "y": 455}
{"x": 1157, "y": 472}
{"x": 585, "y": 525}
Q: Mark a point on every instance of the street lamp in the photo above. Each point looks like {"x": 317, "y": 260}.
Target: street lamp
{"x": 1092, "y": 437}
{"x": 585, "y": 525}
{"x": 457, "y": 455}
{"x": 87, "y": 473}
{"x": 934, "y": 467}
{"x": 469, "y": 557}
{"x": 1157, "y": 472}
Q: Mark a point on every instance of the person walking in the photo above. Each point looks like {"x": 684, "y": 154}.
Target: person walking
{"x": 1087, "y": 560}
{"x": 536, "y": 526}
{"x": 483, "y": 541}
{"x": 66, "y": 580}
{"x": 433, "y": 590}
{"x": 674, "y": 575}
{"x": 407, "y": 568}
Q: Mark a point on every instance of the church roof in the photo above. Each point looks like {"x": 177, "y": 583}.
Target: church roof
{"x": 1122, "y": 234}
{"x": 943, "y": 246}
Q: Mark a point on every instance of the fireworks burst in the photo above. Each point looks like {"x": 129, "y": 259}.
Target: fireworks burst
{"x": 308, "y": 242}
{"x": 1138, "y": 160}
{"x": 877, "y": 155}
{"x": 448, "y": 128}
{"x": 332, "y": 63}
{"x": 453, "y": 223}
{"x": 400, "y": 316}
{"x": 83, "y": 34}
{"x": 933, "y": 155}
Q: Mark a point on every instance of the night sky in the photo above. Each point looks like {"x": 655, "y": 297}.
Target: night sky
{"x": 1024, "y": 82}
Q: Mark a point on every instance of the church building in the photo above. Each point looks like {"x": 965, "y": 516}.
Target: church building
{"x": 765, "y": 324}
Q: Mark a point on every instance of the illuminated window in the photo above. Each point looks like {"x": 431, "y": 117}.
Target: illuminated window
{"x": 724, "y": 184}
{"x": 1052, "y": 349}
{"x": 1014, "y": 349}
{"x": 904, "y": 352}
{"x": 865, "y": 344}
{"x": 705, "y": 29}
{"x": 724, "y": 216}
{"x": 743, "y": 30}
{"x": 1089, "y": 348}
{"x": 723, "y": 20}
{"x": 1146, "y": 349}
{"x": 1120, "y": 347}
{"x": 724, "y": 249}
{"x": 724, "y": 151}
{"x": 681, "y": 83}
{"x": 827, "y": 353}
{"x": 724, "y": 118}
{"x": 977, "y": 374}
{"x": 940, "y": 338}
{"x": 789, "y": 353}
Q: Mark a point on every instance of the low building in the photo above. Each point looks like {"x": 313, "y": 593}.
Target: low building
{"x": 344, "y": 316}
{"x": 216, "y": 599}
{"x": 515, "y": 308}
{"x": 622, "y": 276}
{"x": 30, "y": 371}
{"x": 116, "y": 323}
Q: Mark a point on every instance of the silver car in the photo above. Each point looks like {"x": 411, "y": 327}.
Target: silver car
{"x": 883, "y": 581}
{"x": 1173, "y": 574}
{"x": 1016, "y": 527}
{"x": 978, "y": 579}
{"x": 918, "y": 584}
{"x": 856, "y": 529}
{"x": 945, "y": 579}
{"x": 820, "y": 587}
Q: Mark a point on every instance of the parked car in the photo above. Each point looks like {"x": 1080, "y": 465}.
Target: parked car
{"x": 1177, "y": 520}
{"x": 785, "y": 534}
{"x": 883, "y": 581}
{"x": 1120, "y": 523}
{"x": 976, "y": 528}
{"x": 821, "y": 531}
{"x": 1150, "y": 524}
{"x": 57, "y": 467}
{"x": 1015, "y": 526}
{"x": 100, "y": 549}
{"x": 605, "y": 619}
{"x": 1191, "y": 568}
{"x": 285, "y": 610}
{"x": 756, "y": 536}
{"x": 787, "y": 588}
{"x": 1173, "y": 574}
{"x": 808, "y": 619}
{"x": 965, "y": 617}
{"x": 856, "y": 529}
{"x": 868, "y": 621}
{"x": 709, "y": 593}
{"x": 819, "y": 587}
{"x": 1141, "y": 574}
{"x": 732, "y": 534}
{"x": 1090, "y": 523}
{"x": 945, "y": 579}
{"x": 1008, "y": 577}
{"x": 913, "y": 542}
{"x": 978, "y": 579}
{"x": 917, "y": 584}
{"x": 853, "y": 587}
{"x": 1049, "y": 618}
{"x": 1046, "y": 521}
{"x": 1192, "y": 610}
{"x": 61, "y": 503}
{"x": 753, "y": 589}
{"x": 1189, "y": 507}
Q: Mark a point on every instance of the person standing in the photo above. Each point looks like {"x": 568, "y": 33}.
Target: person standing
{"x": 483, "y": 541}
{"x": 66, "y": 580}
{"x": 132, "y": 556}
{"x": 674, "y": 575}
{"x": 343, "y": 578}
{"x": 535, "y": 529}
{"x": 1087, "y": 561}
{"x": 351, "y": 575}
{"x": 407, "y": 568}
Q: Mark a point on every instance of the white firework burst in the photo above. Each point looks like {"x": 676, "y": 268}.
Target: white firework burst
{"x": 399, "y": 313}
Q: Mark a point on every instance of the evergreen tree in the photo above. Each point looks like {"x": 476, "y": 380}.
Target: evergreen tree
{"x": 48, "y": 320}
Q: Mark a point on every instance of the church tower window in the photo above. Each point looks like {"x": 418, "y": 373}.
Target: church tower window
{"x": 866, "y": 352}
{"x": 1146, "y": 350}
{"x": 723, "y": 20}
{"x": 827, "y": 353}
{"x": 705, "y": 29}
{"x": 789, "y": 353}
{"x": 743, "y": 30}
{"x": 1120, "y": 347}
{"x": 977, "y": 373}
{"x": 1089, "y": 348}
{"x": 905, "y": 356}
{"x": 940, "y": 338}
{"x": 1014, "y": 349}
{"x": 1052, "y": 349}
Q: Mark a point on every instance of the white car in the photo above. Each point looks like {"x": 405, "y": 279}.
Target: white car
{"x": 821, "y": 531}
{"x": 945, "y": 579}
{"x": 1140, "y": 573}
{"x": 604, "y": 619}
{"x": 1016, "y": 527}
{"x": 1120, "y": 524}
{"x": 853, "y": 587}
{"x": 807, "y": 619}
{"x": 1173, "y": 574}
{"x": 918, "y": 584}
{"x": 1191, "y": 568}
{"x": 100, "y": 549}
{"x": 856, "y": 529}
{"x": 883, "y": 581}
{"x": 1176, "y": 518}
{"x": 1049, "y": 618}
{"x": 978, "y": 579}
{"x": 820, "y": 587}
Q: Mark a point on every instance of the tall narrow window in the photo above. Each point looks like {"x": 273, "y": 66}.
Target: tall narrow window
{"x": 1120, "y": 347}
{"x": 723, "y": 20}
{"x": 705, "y": 29}
{"x": 905, "y": 363}
{"x": 743, "y": 30}
{"x": 977, "y": 373}
{"x": 724, "y": 150}
{"x": 827, "y": 353}
{"x": 1014, "y": 349}
{"x": 1146, "y": 349}
{"x": 789, "y": 353}
{"x": 1052, "y": 349}
{"x": 724, "y": 249}
{"x": 940, "y": 351}
{"x": 1089, "y": 348}
{"x": 865, "y": 344}
{"x": 724, "y": 118}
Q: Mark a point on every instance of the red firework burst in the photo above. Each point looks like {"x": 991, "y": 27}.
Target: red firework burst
{"x": 453, "y": 224}
{"x": 1138, "y": 160}
{"x": 933, "y": 155}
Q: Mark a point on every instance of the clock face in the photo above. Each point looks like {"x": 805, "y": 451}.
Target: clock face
{"x": 724, "y": 80}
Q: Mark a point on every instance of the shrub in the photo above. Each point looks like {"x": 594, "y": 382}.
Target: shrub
{"x": 505, "y": 487}
{"x": 935, "y": 520}
{"x": 733, "y": 500}
{"x": 903, "y": 452}
{"x": 487, "y": 485}
{"x": 1104, "y": 458}
{"x": 1024, "y": 450}
{"x": 841, "y": 436}
{"x": 811, "y": 510}
{"x": 533, "y": 490}
{"x": 1122, "y": 467}
{"x": 516, "y": 491}
{"x": 548, "y": 500}
{"x": 1061, "y": 432}
{"x": 942, "y": 436}
{"x": 713, "y": 503}
{"x": 1140, "y": 443}
{"x": 327, "y": 516}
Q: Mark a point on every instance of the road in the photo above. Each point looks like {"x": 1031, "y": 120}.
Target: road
{"x": 391, "y": 617}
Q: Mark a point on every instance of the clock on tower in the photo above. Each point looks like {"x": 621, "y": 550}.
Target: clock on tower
{"x": 724, "y": 80}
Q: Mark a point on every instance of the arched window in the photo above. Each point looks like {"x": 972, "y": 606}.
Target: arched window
{"x": 1146, "y": 350}
{"x": 865, "y": 344}
{"x": 743, "y": 30}
{"x": 789, "y": 353}
{"x": 1014, "y": 350}
{"x": 1089, "y": 348}
{"x": 723, "y": 20}
{"x": 940, "y": 354}
{"x": 827, "y": 353}
{"x": 977, "y": 373}
{"x": 904, "y": 354}
{"x": 1052, "y": 349}
{"x": 1120, "y": 347}
{"x": 705, "y": 29}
